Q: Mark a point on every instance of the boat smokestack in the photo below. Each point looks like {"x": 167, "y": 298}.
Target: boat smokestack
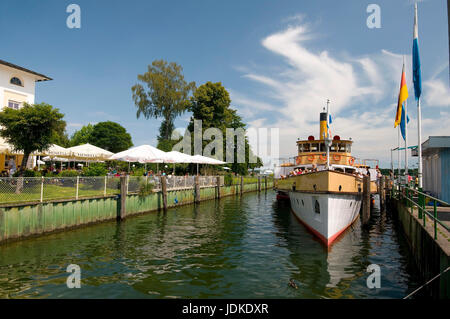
{"x": 323, "y": 126}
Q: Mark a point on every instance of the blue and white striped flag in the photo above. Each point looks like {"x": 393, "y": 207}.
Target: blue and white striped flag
{"x": 417, "y": 77}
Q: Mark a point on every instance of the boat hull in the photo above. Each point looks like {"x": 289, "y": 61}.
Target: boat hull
{"x": 326, "y": 215}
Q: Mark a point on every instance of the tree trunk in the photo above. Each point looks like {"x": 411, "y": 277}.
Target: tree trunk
{"x": 23, "y": 166}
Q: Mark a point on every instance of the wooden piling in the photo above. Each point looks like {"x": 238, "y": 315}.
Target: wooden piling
{"x": 366, "y": 200}
{"x": 259, "y": 184}
{"x": 265, "y": 182}
{"x": 382, "y": 192}
{"x": 164, "y": 191}
{"x": 218, "y": 187}
{"x": 197, "y": 189}
{"x": 242, "y": 185}
{"x": 123, "y": 197}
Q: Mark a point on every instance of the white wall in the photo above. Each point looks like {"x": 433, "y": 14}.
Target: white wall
{"x": 28, "y": 81}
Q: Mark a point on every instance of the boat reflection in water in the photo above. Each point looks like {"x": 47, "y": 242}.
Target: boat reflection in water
{"x": 340, "y": 270}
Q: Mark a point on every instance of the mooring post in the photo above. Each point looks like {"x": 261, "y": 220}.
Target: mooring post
{"x": 164, "y": 191}
{"x": 218, "y": 187}
{"x": 197, "y": 189}
{"x": 383, "y": 192}
{"x": 242, "y": 185}
{"x": 123, "y": 197}
{"x": 265, "y": 182}
{"x": 366, "y": 200}
{"x": 259, "y": 183}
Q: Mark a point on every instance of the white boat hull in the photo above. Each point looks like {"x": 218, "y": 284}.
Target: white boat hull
{"x": 326, "y": 215}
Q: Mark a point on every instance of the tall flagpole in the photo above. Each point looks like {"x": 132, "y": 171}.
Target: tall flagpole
{"x": 405, "y": 106}
{"x": 398, "y": 155}
{"x": 417, "y": 91}
{"x": 327, "y": 137}
{"x": 406, "y": 139}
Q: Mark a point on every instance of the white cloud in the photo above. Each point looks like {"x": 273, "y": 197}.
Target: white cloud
{"x": 357, "y": 86}
{"x": 436, "y": 93}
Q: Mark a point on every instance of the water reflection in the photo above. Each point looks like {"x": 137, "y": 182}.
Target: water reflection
{"x": 237, "y": 247}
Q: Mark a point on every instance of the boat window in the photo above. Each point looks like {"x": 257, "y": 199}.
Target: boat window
{"x": 338, "y": 169}
{"x": 333, "y": 148}
{"x": 314, "y": 147}
{"x": 306, "y": 147}
{"x": 317, "y": 207}
{"x": 322, "y": 147}
{"x": 349, "y": 148}
{"x": 300, "y": 148}
{"x": 342, "y": 147}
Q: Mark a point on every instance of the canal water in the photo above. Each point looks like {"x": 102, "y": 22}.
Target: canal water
{"x": 238, "y": 247}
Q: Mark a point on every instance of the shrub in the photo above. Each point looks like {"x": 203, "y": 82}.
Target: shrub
{"x": 228, "y": 179}
{"x": 28, "y": 173}
{"x": 95, "y": 169}
{"x": 69, "y": 173}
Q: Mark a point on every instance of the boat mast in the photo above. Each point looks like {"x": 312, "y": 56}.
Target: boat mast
{"x": 327, "y": 136}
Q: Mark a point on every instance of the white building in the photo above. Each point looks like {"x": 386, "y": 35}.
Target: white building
{"x": 436, "y": 166}
{"x": 17, "y": 86}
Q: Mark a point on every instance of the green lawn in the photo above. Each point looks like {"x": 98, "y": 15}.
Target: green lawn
{"x": 32, "y": 192}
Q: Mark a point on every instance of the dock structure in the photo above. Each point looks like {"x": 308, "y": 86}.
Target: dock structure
{"x": 427, "y": 228}
{"x": 19, "y": 220}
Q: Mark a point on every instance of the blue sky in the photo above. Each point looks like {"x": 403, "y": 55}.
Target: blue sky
{"x": 280, "y": 60}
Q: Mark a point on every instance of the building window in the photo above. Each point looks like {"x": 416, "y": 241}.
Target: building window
{"x": 14, "y": 105}
{"x": 16, "y": 81}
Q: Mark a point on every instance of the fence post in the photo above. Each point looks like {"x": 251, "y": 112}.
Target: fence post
{"x": 242, "y": 185}
{"x": 197, "y": 189}
{"x": 164, "y": 191}
{"x": 42, "y": 189}
{"x": 128, "y": 182}
{"x": 104, "y": 191}
{"x": 78, "y": 182}
{"x": 366, "y": 200}
{"x": 421, "y": 200}
{"x": 435, "y": 217}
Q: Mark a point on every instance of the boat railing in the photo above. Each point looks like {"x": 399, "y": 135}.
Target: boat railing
{"x": 416, "y": 198}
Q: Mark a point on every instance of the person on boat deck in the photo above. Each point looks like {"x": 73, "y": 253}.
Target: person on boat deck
{"x": 314, "y": 167}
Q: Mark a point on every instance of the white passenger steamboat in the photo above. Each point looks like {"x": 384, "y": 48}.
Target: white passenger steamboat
{"x": 325, "y": 188}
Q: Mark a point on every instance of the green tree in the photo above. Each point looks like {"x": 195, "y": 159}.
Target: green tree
{"x": 82, "y": 135}
{"x": 166, "y": 94}
{"x": 110, "y": 136}
{"x": 60, "y": 136}
{"x": 31, "y": 128}
{"x": 211, "y": 104}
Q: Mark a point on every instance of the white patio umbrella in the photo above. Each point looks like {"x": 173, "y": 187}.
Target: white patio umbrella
{"x": 199, "y": 159}
{"x": 179, "y": 157}
{"x": 55, "y": 159}
{"x": 142, "y": 154}
{"x": 88, "y": 151}
{"x": 55, "y": 150}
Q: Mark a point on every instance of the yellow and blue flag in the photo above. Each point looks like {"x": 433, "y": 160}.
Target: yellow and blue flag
{"x": 402, "y": 97}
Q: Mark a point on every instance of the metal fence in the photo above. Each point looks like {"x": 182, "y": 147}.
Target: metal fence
{"x": 415, "y": 199}
{"x": 35, "y": 189}
{"x": 40, "y": 189}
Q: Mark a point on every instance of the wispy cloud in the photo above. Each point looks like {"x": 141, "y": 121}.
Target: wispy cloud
{"x": 362, "y": 89}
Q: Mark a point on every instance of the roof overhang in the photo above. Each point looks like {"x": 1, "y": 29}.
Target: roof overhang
{"x": 39, "y": 77}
